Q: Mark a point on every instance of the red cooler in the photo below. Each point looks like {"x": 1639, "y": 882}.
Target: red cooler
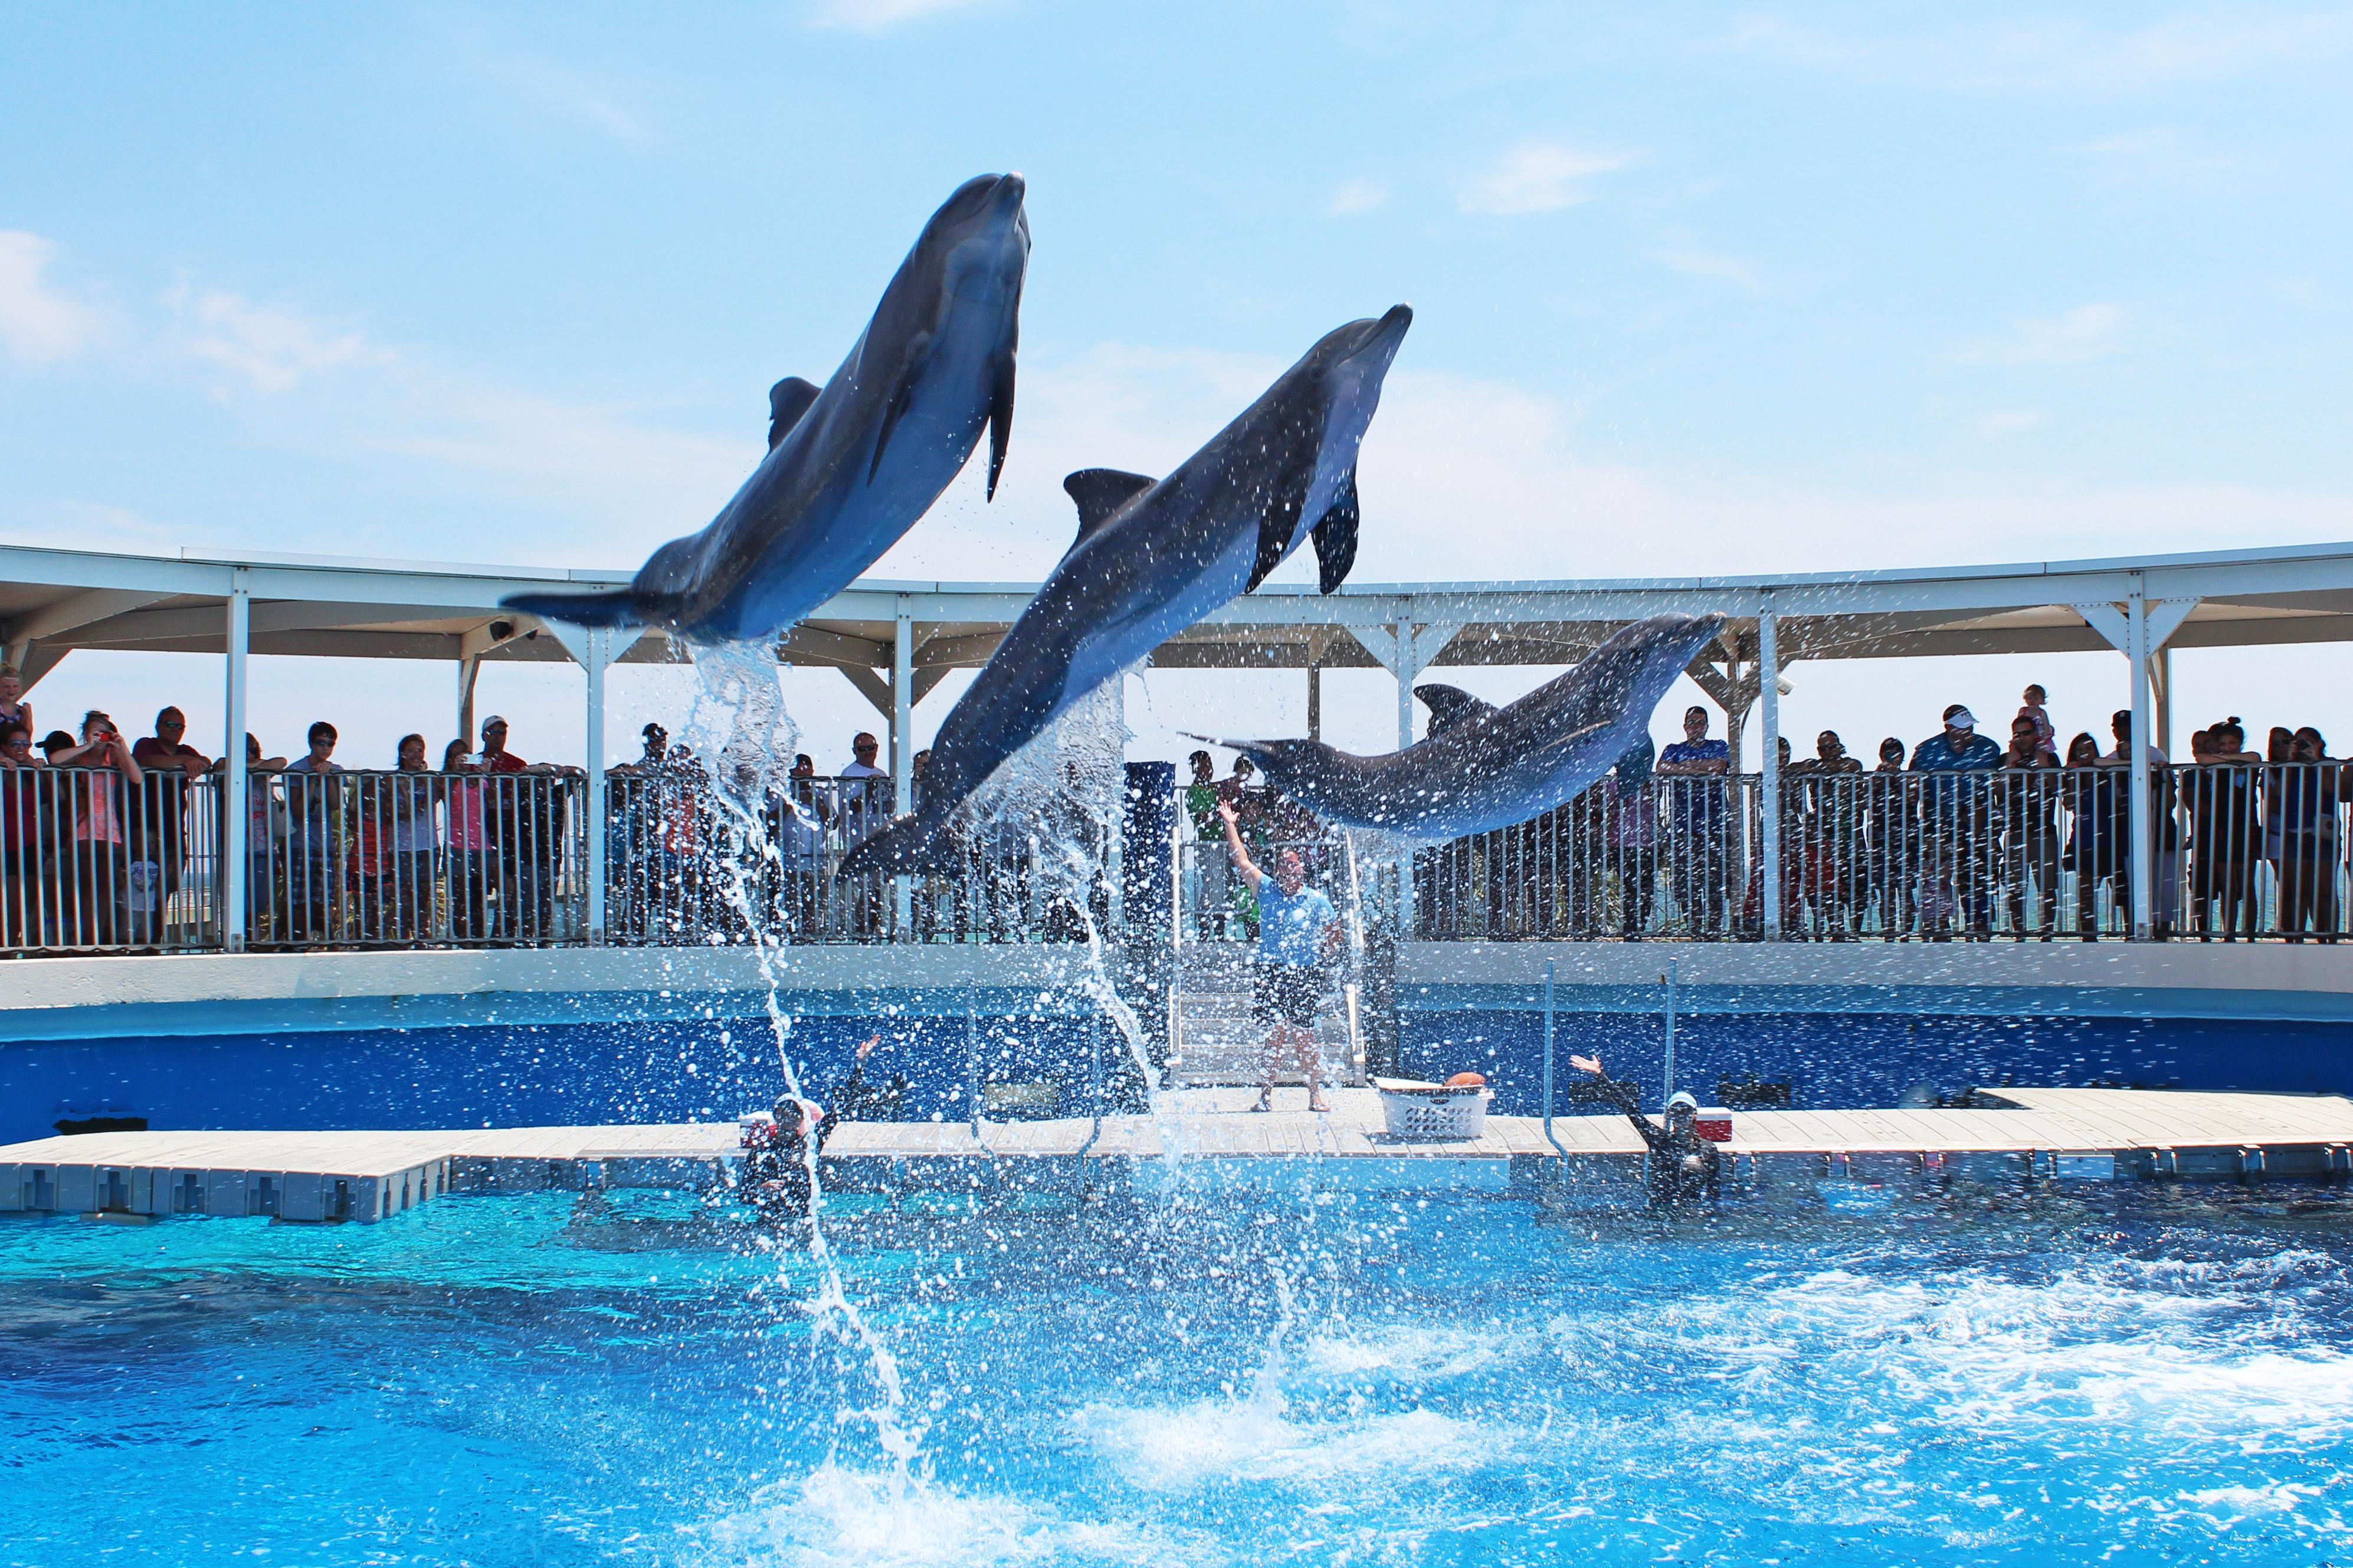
{"x": 1713, "y": 1123}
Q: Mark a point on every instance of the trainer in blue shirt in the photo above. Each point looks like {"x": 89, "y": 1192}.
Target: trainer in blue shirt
{"x": 1298, "y": 932}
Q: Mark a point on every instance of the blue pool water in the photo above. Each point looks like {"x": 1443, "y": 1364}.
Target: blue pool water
{"x": 2127, "y": 1374}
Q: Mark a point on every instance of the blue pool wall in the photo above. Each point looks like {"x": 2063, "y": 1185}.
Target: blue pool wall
{"x": 716, "y": 1065}
{"x": 1847, "y": 1060}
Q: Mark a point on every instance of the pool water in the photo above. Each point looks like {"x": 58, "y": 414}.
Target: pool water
{"x": 2098, "y": 1374}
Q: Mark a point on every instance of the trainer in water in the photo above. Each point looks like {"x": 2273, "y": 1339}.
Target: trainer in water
{"x": 1483, "y": 767}
{"x": 850, "y": 468}
{"x": 1684, "y": 1166}
{"x": 1152, "y": 558}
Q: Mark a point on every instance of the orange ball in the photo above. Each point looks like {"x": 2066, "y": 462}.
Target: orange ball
{"x": 1467, "y": 1080}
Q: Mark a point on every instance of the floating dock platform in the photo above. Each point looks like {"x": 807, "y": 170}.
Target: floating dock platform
{"x": 365, "y": 1176}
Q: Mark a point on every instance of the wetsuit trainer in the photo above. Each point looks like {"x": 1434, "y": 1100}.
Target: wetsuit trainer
{"x": 1684, "y": 1166}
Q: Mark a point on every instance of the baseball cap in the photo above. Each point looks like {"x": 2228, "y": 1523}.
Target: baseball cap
{"x": 493, "y": 722}
{"x": 1961, "y": 718}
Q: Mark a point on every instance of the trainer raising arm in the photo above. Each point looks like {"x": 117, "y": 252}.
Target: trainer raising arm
{"x": 1684, "y": 1166}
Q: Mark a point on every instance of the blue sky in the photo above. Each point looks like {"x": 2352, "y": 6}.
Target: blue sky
{"x": 1695, "y": 288}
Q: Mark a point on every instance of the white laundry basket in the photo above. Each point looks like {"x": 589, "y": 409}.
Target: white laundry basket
{"x": 1413, "y": 1109}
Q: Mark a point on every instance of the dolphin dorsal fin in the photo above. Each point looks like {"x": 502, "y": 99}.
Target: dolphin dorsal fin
{"x": 1451, "y": 706}
{"x": 788, "y": 401}
{"x": 1100, "y": 492}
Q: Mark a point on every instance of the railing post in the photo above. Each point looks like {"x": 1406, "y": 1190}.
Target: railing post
{"x": 599, "y": 651}
{"x": 903, "y": 752}
{"x": 2143, "y": 847}
{"x": 235, "y": 807}
{"x": 1548, "y": 1076}
{"x": 1769, "y": 677}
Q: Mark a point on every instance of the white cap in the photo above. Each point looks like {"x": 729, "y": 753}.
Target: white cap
{"x": 493, "y": 722}
{"x": 1682, "y": 1097}
{"x": 1962, "y": 719}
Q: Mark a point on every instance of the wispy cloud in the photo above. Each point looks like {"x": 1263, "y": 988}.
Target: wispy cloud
{"x": 605, "y": 104}
{"x": 268, "y": 348}
{"x": 2068, "y": 55}
{"x": 40, "y": 324}
{"x": 2086, "y": 333}
{"x": 1705, "y": 264}
{"x": 1358, "y": 195}
{"x": 880, "y": 16}
{"x": 2010, "y": 421}
{"x": 1537, "y": 177}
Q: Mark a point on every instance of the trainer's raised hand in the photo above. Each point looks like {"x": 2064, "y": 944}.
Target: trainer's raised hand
{"x": 1587, "y": 1064}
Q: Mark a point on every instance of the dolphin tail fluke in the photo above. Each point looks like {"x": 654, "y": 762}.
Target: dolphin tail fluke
{"x": 909, "y": 846}
{"x": 618, "y": 607}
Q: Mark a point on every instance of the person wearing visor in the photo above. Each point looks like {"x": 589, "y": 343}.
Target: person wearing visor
{"x": 1685, "y": 1166}
{"x": 1957, "y": 834}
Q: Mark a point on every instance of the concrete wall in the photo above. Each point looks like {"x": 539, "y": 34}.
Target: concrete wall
{"x": 2307, "y": 981}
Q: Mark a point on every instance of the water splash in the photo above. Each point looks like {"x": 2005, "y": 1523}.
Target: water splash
{"x": 740, "y": 715}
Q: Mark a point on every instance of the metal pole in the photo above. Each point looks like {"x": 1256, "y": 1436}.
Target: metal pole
{"x": 235, "y": 808}
{"x": 1548, "y": 1031}
{"x": 599, "y": 651}
{"x": 1315, "y": 701}
{"x": 1769, "y": 677}
{"x": 902, "y": 751}
{"x": 1670, "y": 1029}
{"x": 972, "y": 1067}
{"x": 2137, "y": 653}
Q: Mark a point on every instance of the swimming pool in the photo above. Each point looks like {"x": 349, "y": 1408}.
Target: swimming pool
{"x": 2162, "y": 1374}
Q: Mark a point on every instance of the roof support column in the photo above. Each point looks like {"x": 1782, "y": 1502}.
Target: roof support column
{"x": 468, "y": 666}
{"x": 1769, "y": 677}
{"x": 596, "y": 655}
{"x": 237, "y": 809}
{"x": 1316, "y": 695}
{"x": 2144, "y": 858}
{"x": 903, "y": 749}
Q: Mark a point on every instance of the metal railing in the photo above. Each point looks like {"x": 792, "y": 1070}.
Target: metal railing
{"x": 2238, "y": 852}
{"x": 95, "y": 862}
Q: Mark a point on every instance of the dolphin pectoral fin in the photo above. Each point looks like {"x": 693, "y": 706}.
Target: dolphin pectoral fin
{"x": 1336, "y": 538}
{"x": 1000, "y": 418}
{"x": 617, "y": 607}
{"x": 902, "y": 397}
{"x": 1274, "y": 531}
{"x": 788, "y": 401}
{"x": 1450, "y": 705}
{"x": 1100, "y": 493}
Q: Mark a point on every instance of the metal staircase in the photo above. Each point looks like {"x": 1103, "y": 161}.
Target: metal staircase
{"x": 1215, "y": 1036}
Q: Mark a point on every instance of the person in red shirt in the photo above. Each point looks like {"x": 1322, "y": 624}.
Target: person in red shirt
{"x": 526, "y": 826}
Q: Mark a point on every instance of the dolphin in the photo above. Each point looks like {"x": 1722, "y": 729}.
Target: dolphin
{"x": 851, "y": 467}
{"x": 1152, "y": 558}
{"x": 1483, "y": 767}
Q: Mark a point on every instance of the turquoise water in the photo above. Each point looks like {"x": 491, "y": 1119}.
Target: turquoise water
{"x": 2127, "y": 1375}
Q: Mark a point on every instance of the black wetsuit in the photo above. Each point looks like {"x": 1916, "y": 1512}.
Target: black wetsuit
{"x": 855, "y": 1099}
{"x": 1683, "y": 1167}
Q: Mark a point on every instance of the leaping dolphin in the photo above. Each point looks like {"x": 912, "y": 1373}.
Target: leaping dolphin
{"x": 850, "y": 468}
{"x": 1152, "y": 559}
{"x": 1483, "y": 767}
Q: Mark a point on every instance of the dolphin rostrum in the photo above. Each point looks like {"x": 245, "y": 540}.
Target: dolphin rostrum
{"x": 850, "y": 468}
{"x": 1152, "y": 559}
{"x": 1483, "y": 767}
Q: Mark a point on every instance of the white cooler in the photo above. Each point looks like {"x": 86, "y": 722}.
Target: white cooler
{"x": 1413, "y": 1109}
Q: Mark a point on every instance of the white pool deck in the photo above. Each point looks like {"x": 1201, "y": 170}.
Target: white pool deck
{"x": 371, "y": 1176}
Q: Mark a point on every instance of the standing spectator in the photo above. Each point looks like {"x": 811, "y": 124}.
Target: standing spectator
{"x": 314, "y": 805}
{"x": 2034, "y": 710}
{"x": 2279, "y": 746}
{"x": 1632, "y": 810}
{"x": 98, "y": 901}
{"x": 161, "y": 826}
{"x": 2094, "y": 834}
{"x": 1956, "y": 836}
{"x": 465, "y": 827}
{"x": 1698, "y": 767}
{"x": 2227, "y": 838}
{"x": 1211, "y": 865}
{"x": 16, "y": 713}
{"x": 1895, "y": 829}
{"x": 408, "y": 799}
{"x": 865, "y": 805}
{"x": 526, "y": 821}
{"x": 2030, "y": 819}
{"x": 1830, "y": 826}
{"x": 2314, "y": 790}
{"x": 265, "y": 830}
{"x": 23, "y": 902}
{"x": 2164, "y": 845}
